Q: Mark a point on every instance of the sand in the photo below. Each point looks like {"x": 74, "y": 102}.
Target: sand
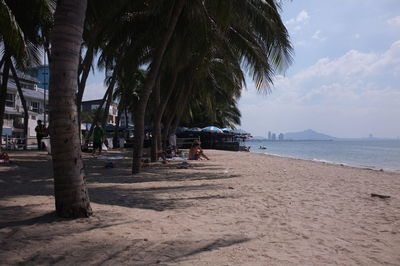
{"x": 237, "y": 209}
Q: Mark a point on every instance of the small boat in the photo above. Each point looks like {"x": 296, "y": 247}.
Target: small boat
{"x": 262, "y": 148}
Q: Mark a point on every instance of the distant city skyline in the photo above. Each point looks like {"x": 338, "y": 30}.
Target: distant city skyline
{"x": 275, "y": 136}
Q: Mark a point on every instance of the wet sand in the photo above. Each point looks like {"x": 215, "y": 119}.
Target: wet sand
{"x": 237, "y": 209}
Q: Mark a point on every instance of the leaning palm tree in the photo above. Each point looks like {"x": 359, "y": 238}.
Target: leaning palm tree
{"x": 72, "y": 199}
{"x": 248, "y": 35}
{"x": 21, "y": 30}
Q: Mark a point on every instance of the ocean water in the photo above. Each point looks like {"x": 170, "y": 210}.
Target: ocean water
{"x": 376, "y": 154}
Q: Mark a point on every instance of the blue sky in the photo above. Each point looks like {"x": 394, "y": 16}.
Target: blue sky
{"x": 345, "y": 78}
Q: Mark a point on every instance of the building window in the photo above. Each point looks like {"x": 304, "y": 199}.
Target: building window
{"x": 35, "y": 107}
{"x": 33, "y": 117}
{"x": 10, "y": 100}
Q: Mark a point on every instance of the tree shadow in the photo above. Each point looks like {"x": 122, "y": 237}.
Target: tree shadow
{"x": 46, "y": 218}
{"x": 32, "y": 177}
{"x": 151, "y": 198}
{"x": 137, "y": 252}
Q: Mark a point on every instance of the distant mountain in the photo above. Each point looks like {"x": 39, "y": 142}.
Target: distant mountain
{"x": 308, "y": 134}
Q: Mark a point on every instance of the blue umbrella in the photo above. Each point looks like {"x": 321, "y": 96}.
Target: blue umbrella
{"x": 212, "y": 129}
{"x": 227, "y": 129}
{"x": 195, "y": 129}
{"x": 181, "y": 129}
{"x": 241, "y": 132}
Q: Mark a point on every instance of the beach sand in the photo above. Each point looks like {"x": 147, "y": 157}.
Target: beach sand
{"x": 237, "y": 209}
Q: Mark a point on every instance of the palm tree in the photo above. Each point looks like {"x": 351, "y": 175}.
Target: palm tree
{"x": 249, "y": 36}
{"x": 23, "y": 101}
{"x": 22, "y": 27}
{"x": 140, "y": 108}
{"x": 246, "y": 33}
{"x": 72, "y": 199}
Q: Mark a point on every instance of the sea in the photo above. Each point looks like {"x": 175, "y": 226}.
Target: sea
{"x": 374, "y": 154}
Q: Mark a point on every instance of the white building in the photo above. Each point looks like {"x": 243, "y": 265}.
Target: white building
{"x": 13, "y": 125}
{"x": 93, "y": 105}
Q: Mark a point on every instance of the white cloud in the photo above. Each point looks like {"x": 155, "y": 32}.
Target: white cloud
{"x": 349, "y": 96}
{"x": 302, "y": 17}
{"x": 394, "y": 21}
{"x": 318, "y": 36}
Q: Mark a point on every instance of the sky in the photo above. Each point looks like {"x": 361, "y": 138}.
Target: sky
{"x": 345, "y": 77}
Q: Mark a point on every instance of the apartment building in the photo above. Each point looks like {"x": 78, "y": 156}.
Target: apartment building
{"x": 36, "y": 100}
{"x": 90, "y": 106}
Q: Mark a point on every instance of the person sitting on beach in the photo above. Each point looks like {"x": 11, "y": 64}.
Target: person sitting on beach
{"x": 196, "y": 153}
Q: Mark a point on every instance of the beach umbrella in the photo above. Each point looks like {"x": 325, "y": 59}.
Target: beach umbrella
{"x": 227, "y": 129}
{"x": 212, "y": 129}
{"x": 241, "y": 132}
{"x": 182, "y": 129}
{"x": 195, "y": 129}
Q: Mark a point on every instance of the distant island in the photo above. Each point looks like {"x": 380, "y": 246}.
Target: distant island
{"x": 308, "y": 134}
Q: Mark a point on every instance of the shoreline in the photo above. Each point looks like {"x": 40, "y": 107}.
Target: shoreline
{"x": 239, "y": 208}
{"x": 372, "y": 168}
{"x": 371, "y": 154}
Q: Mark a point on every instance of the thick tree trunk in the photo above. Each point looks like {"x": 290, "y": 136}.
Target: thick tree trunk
{"x": 72, "y": 199}
{"x": 24, "y": 106}
{"x": 3, "y": 92}
{"x": 149, "y": 84}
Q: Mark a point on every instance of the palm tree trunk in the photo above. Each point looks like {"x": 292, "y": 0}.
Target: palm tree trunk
{"x": 140, "y": 109}
{"x": 72, "y": 199}
{"x": 3, "y": 92}
{"x": 183, "y": 103}
{"x": 160, "y": 108}
{"x": 104, "y": 120}
{"x": 23, "y": 101}
{"x": 167, "y": 127}
{"x": 156, "y": 122}
{"x": 84, "y": 73}
{"x": 116, "y": 130}
{"x": 98, "y": 112}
